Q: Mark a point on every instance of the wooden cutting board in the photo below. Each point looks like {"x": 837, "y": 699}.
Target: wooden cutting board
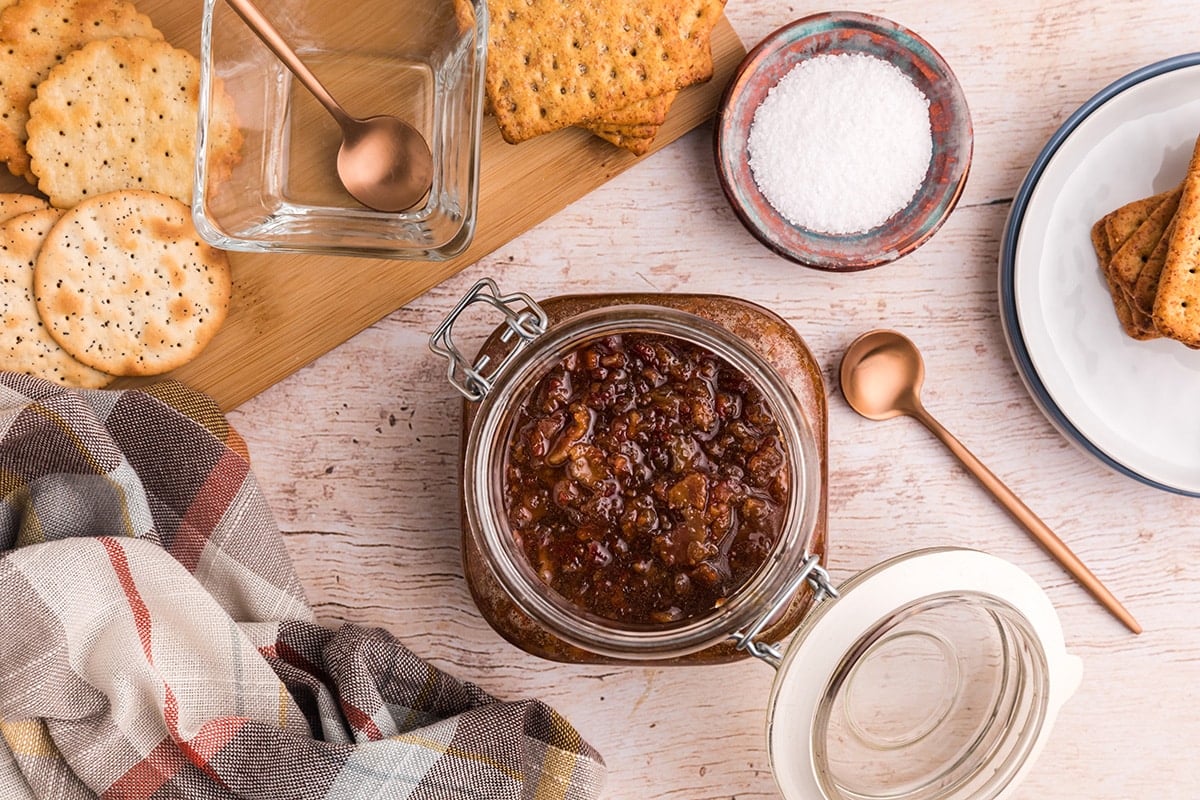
{"x": 289, "y": 309}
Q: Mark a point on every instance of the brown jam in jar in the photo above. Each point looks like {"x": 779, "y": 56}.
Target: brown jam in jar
{"x": 643, "y": 477}
{"x": 646, "y": 479}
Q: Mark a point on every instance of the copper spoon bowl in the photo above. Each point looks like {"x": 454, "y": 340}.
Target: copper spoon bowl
{"x": 383, "y": 162}
{"x": 881, "y": 376}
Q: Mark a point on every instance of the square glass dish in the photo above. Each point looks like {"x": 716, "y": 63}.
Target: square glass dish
{"x": 420, "y": 60}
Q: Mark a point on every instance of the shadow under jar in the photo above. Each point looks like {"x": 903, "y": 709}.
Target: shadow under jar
{"x": 640, "y": 483}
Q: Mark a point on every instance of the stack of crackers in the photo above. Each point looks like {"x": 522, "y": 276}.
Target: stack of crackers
{"x": 106, "y": 275}
{"x": 613, "y": 67}
{"x": 1149, "y": 250}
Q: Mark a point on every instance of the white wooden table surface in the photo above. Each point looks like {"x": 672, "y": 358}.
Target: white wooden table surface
{"x": 357, "y": 452}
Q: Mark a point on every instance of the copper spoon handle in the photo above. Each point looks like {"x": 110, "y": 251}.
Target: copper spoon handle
{"x": 274, "y": 40}
{"x": 1030, "y": 521}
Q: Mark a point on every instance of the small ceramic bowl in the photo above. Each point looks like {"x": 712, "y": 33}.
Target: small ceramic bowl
{"x": 950, "y": 125}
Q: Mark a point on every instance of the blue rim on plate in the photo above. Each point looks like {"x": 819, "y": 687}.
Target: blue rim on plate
{"x": 1008, "y": 250}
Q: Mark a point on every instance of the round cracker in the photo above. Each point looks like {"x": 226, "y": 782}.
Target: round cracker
{"x": 121, "y": 114}
{"x": 26, "y": 346}
{"x": 125, "y": 285}
{"x": 14, "y": 204}
{"x": 38, "y": 34}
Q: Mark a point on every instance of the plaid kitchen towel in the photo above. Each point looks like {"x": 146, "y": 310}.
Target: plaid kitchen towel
{"x": 156, "y": 642}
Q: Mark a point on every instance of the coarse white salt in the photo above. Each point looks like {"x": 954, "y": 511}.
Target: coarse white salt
{"x": 841, "y": 143}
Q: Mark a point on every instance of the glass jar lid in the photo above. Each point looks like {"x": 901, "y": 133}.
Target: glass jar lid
{"x": 934, "y": 675}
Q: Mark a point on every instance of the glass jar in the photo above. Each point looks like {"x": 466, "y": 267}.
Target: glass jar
{"x": 497, "y": 384}
{"x": 936, "y": 675}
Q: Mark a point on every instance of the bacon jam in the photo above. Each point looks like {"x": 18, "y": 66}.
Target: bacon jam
{"x": 646, "y": 479}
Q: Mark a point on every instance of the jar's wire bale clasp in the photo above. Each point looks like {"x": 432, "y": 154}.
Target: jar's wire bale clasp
{"x": 812, "y": 573}
{"x": 524, "y": 321}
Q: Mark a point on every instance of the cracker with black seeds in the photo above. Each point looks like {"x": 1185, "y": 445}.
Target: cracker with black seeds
{"x": 26, "y": 346}
{"x": 15, "y": 203}
{"x": 121, "y": 114}
{"x": 552, "y": 64}
{"x": 125, "y": 284}
{"x": 35, "y": 35}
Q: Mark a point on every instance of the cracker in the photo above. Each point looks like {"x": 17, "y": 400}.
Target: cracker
{"x": 1128, "y": 260}
{"x": 26, "y": 346}
{"x": 15, "y": 203}
{"x": 638, "y": 145}
{"x": 553, "y": 64}
{"x": 35, "y": 36}
{"x": 1146, "y": 287}
{"x": 629, "y": 131}
{"x": 635, "y": 125}
{"x": 1177, "y": 300}
{"x": 1100, "y": 243}
{"x": 703, "y": 16}
{"x": 1121, "y": 223}
{"x": 651, "y": 111}
{"x": 1120, "y": 298}
{"x": 121, "y": 114}
{"x": 125, "y": 285}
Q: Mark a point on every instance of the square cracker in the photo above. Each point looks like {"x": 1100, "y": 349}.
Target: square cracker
{"x": 1128, "y": 260}
{"x": 1121, "y": 223}
{"x": 638, "y": 145}
{"x": 552, "y": 63}
{"x": 703, "y": 16}
{"x": 635, "y": 126}
{"x": 35, "y": 36}
{"x": 1121, "y": 305}
{"x": 630, "y": 131}
{"x": 1145, "y": 289}
{"x": 635, "y": 135}
{"x": 1177, "y": 300}
{"x": 1101, "y": 243}
{"x": 651, "y": 111}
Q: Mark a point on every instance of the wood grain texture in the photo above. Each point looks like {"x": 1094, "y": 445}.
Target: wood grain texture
{"x": 288, "y": 310}
{"x": 358, "y": 450}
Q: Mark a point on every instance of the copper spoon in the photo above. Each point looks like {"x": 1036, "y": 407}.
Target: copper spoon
{"x": 881, "y": 377}
{"x": 383, "y": 162}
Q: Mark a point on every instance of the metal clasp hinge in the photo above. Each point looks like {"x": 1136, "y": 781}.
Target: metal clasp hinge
{"x": 524, "y": 320}
{"x": 817, "y": 577}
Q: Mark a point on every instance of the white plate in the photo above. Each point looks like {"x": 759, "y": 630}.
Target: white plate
{"x": 1133, "y": 405}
